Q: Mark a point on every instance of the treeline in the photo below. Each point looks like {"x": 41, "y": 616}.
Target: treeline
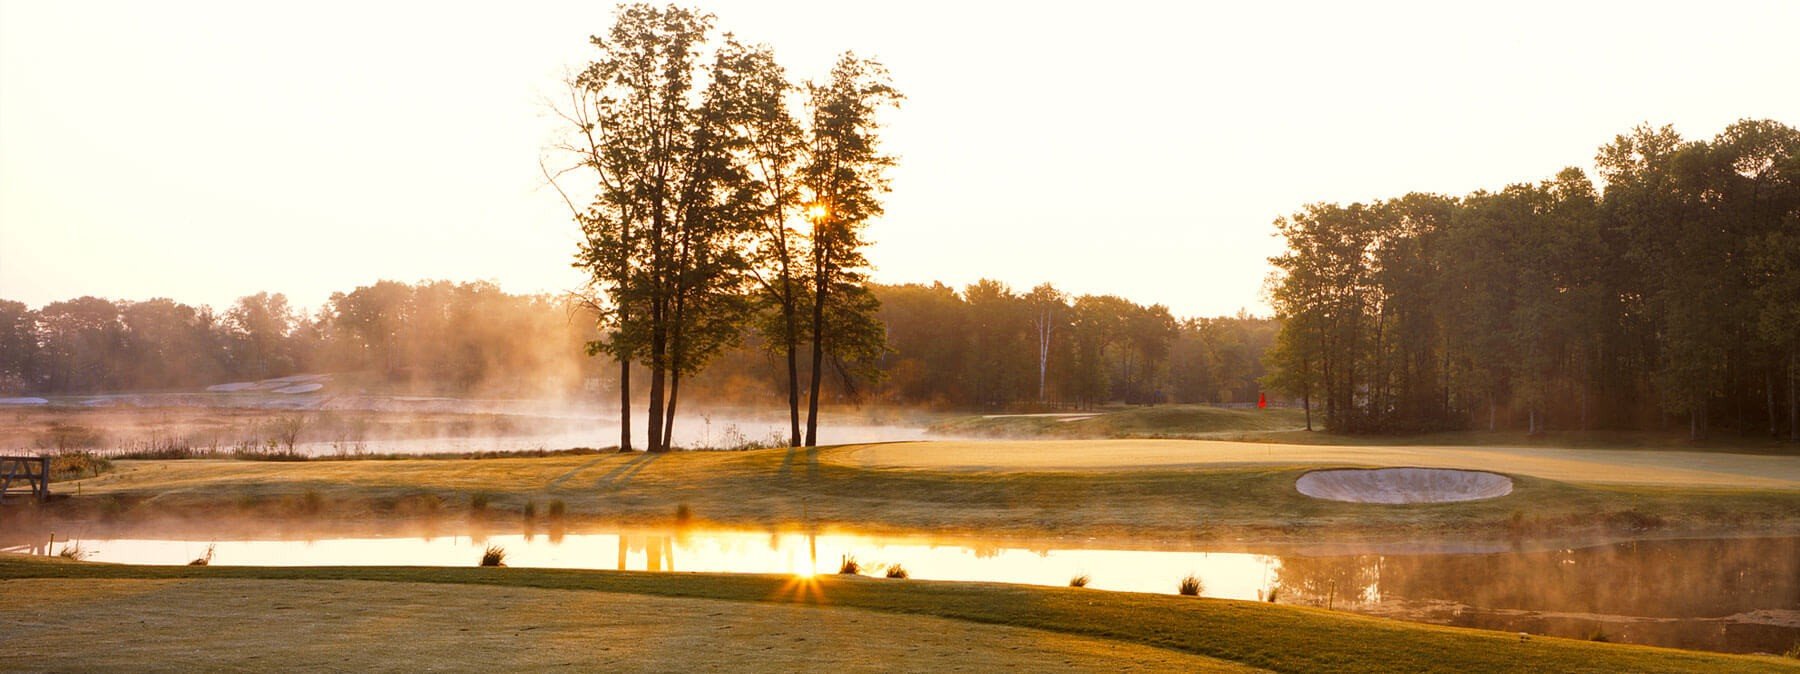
{"x": 435, "y": 337}
{"x": 984, "y": 347}
{"x": 1670, "y": 296}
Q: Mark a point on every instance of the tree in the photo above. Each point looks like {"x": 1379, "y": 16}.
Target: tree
{"x": 1048, "y": 312}
{"x": 844, "y": 174}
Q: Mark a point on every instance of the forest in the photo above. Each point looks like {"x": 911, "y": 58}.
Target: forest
{"x": 1666, "y": 297}
{"x": 984, "y": 347}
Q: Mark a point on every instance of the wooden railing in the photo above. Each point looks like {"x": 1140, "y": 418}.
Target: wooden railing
{"x": 25, "y": 476}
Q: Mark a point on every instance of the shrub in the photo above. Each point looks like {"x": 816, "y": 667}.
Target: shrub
{"x": 494, "y": 555}
{"x": 896, "y": 571}
{"x": 1190, "y": 586}
{"x": 849, "y": 567}
{"x": 1080, "y": 580}
{"x": 206, "y": 559}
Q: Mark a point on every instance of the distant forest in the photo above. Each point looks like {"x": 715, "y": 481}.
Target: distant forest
{"x": 984, "y": 347}
{"x": 1668, "y": 299}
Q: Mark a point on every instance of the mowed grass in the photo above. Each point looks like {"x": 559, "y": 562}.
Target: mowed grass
{"x": 248, "y": 624}
{"x": 1225, "y": 633}
{"x": 1250, "y": 500}
{"x": 1160, "y": 421}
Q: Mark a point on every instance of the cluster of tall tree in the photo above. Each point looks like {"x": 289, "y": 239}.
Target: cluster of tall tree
{"x": 723, "y": 195}
{"x": 991, "y": 347}
{"x": 437, "y": 337}
{"x": 985, "y": 346}
{"x": 1670, "y": 296}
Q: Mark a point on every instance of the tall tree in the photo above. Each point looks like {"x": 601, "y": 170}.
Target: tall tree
{"x": 844, "y": 175}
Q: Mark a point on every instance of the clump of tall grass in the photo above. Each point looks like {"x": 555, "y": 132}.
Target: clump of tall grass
{"x": 1598, "y": 635}
{"x": 683, "y": 514}
{"x": 1080, "y": 580}
{"x": 848, "y": 566}
{"x": 557, "y": 510}
{"x": 74, "y": 552}
{"x": 1273, "y": 591}
{"x": 311, "y": 503}
{"x": 1190, "y": 586}
{"x": 74, "y": 465}
{"x": 494, "y": 555}
{"x": 478, "y": 503}
{"x": 206, "y": 559}
{"x": 530, "y": 512}
{"x": 896, "y": 571}
{"x": 1792, "y": 651}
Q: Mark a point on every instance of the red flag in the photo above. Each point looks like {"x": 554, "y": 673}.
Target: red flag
{"x": 1262, "y": 400}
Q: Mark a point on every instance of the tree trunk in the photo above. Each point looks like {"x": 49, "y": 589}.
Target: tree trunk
{"x": 820, "y": 283}
{"x": 1769, "y": 389}
{"x": 668, "y": 433}
{"x": 624, "y": 403}
{"x": 1492, "y": 411}
{"x": 793, "y": 370}
{"x": 1793, "y": 399}
{"x": 1306, "y": 401}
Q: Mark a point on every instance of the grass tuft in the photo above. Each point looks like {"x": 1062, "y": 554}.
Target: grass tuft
{"x": 530, "y": 512}
{"x": 1190, "y": 586}
{"x": 896, "y": 571}
{"x": 494, "y": 555}
{"x": 683, "y": 514}
{"x": 74, "y": 552}
{"x": 206, "y": 559}
{"x": 1080, "y": 580}
{"x": 849, "y": 567}
{"x": 557, "y": 510}
{"x": 478, "y": 502}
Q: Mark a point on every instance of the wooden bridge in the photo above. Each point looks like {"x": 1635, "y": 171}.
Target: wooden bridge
{"x": 25, "y": 476}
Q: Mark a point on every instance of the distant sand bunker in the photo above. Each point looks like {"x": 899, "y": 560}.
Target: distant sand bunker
{"x": 1403, "y": 485}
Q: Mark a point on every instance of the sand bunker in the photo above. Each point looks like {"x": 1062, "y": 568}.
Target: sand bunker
{"x": 1403, "y": 485}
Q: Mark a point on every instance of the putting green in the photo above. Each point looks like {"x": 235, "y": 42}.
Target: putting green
{"x": 1611, "y": 466}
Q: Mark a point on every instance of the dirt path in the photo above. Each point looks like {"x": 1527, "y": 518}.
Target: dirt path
{"x": 139, "y": 625}
{"x": 1652, "y": 467}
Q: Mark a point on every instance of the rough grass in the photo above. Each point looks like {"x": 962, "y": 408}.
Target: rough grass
{"x": 826, "y": 487}
{"x": 1262, "y": 635}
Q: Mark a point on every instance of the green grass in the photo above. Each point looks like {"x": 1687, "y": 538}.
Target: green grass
{"x": 1160, "y": 421}
{"x": 773, "y": 488}
{"x": 1275, "y": 637}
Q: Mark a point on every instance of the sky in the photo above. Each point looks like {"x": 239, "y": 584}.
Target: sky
{"x": 207, "y": 150}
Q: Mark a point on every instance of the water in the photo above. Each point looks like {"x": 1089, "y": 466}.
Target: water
{"x": 1736, "y": 595}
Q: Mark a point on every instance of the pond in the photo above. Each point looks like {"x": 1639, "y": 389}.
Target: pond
{"x": 1735, "y": 595}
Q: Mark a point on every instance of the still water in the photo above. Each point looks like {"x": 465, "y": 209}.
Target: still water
{"x": 1738, "y": 595}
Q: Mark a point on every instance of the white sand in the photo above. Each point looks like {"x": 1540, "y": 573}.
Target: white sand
{"x": 1403, "y": 485}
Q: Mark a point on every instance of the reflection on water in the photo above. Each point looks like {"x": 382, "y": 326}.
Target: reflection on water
{"x": 1739, "y": 595}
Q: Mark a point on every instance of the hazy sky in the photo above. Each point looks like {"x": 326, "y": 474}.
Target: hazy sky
{"x": 203, "y": 151}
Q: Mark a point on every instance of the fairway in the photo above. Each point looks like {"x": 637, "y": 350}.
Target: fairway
{"x": 1604, "y": 466}
{"x": 474, "y": 619}
{"x": 360, "y": 625}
